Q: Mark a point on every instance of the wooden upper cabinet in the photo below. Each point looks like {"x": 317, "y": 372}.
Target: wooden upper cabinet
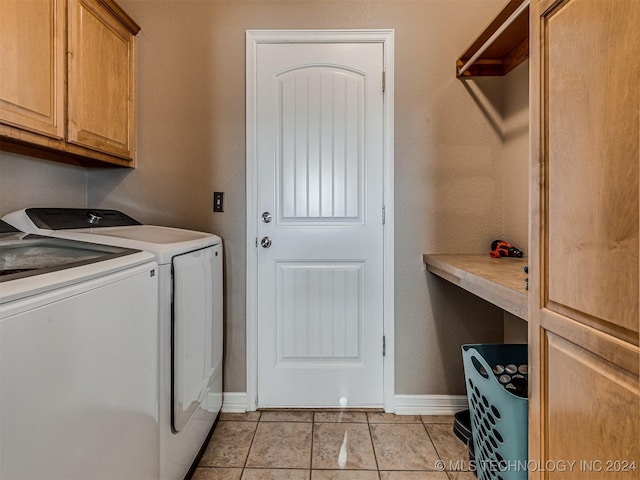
{"x": 87, "y": 46}
{"x": 32, "y": 48}
{"x": 584, "y": 246}
{"x": 101, "y": 112}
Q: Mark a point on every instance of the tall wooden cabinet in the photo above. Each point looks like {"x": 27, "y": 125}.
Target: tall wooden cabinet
{"x": 583, "y": 274}
{"x": 67, "y": 80}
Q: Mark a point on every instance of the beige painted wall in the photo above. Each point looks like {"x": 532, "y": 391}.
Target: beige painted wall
{"x": 516, "y": 157}
{"x": 30, "y": 182}
{"x": 515, "y": 171}
{"x": 449, "y": 188}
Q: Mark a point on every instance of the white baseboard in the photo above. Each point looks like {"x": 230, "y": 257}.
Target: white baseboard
{"x": 214, "y": 402}
{"x": 234, "y": 402}
{"x": 429, "y": 404}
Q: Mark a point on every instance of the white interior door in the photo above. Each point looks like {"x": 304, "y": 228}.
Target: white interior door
{"x": 320, "y": 180}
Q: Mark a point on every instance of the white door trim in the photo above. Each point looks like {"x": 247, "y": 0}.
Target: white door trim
{"x": 253, "y": 38}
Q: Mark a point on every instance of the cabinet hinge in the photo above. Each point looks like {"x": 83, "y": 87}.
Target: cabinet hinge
{"x": 384, "y": 80}
{"x": 256, "y": 242}
{"x": 384, "y": 215}
{"x": 384, "y": 345}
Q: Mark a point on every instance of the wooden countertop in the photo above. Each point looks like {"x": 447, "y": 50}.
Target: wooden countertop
{"x": 497, "y": 280}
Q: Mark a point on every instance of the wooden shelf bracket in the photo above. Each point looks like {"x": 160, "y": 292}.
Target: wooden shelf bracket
{"x": 501, "y": 47}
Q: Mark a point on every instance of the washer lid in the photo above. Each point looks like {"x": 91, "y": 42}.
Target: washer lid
{"x": 152, "y": 234}
{"x": 163, "y": 242}
{"x": 23, "y": 255}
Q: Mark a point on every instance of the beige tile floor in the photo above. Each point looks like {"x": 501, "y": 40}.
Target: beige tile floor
{"x": 349, "y": 445}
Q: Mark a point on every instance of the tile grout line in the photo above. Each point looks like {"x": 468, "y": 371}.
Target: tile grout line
{"x": 432, "y": 442}
{"x": 313, "y": 434}
{"x": 446, "y": 470}
{"x": 375, "y": 455}
{"x": 250, "y": 445}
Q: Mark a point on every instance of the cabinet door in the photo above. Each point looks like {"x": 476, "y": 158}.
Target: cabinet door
{"x": 101, "y": 86}
{"x": 32, "y": 42}
{"x": 583, "y": 301}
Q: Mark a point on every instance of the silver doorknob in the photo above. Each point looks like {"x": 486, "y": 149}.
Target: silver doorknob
{"x": 265, "y": 242}
{"x": 266, "y": 217}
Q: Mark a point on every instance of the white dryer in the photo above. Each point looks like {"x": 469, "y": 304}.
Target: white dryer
{"x": 190, "y": 318}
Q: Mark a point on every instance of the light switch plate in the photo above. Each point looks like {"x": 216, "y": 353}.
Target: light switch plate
{"x": 218, "y": 201}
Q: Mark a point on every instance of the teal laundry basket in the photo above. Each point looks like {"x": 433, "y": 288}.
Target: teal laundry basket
{"x": 499, "y": 422}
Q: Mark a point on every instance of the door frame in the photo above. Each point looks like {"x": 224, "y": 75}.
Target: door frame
{"x": 253, "y": 39}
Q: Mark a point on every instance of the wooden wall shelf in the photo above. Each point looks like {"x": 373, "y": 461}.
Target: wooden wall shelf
{"x": 500, "y": 281}
{"x": 509, "y": 49}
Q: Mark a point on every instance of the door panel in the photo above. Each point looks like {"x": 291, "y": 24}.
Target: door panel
{"x": 320, "y": 172}
{"x": 32, "y": 74}
{"x": 101, "y": 77}
{"x": 593, "y": 144}
{"x": 321, "y": 162}
{"x": 309, "y": 295}
{"x": 590, "y": 398}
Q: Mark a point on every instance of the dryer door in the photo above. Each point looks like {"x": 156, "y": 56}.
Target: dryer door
{"x": 192, "y": 314}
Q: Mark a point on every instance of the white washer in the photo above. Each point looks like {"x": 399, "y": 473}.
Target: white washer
{"x": 78, "y": 360}
{"x": 190, "y": 318}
